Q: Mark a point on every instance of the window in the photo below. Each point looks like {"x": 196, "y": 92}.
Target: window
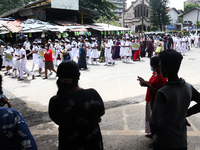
{"x": 147, "y": 13}
{"x": 141, "y": 11}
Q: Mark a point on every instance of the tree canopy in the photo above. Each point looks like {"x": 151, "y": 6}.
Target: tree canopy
{"x": 190, "y": 6}
{"x": 158, "y": 15}
{"x": 104, "y": 7}
{"x": 7, "y": 5}
{"x": 110, "y": 21}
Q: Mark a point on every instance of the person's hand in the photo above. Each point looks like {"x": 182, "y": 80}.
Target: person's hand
{"x": 142, "y": 82}
{"x": 18, "y": 59}
{"x": 44, "y": 60}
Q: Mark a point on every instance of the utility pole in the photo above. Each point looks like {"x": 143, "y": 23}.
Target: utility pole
{"x": 197, "y": 19}
{"x": 142, "y": 17}
{"x": 123, "y": 11}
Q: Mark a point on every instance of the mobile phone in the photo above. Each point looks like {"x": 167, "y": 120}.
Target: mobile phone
{"x": 139, "y": 78}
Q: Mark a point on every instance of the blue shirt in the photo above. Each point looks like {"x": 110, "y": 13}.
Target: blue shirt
{"x": 14, "y": 132}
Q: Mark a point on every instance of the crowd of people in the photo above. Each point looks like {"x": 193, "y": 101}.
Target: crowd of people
{"x": 87, "y": 51}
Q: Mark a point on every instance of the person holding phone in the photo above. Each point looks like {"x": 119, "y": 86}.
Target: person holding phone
{"x": 153, "y": 85}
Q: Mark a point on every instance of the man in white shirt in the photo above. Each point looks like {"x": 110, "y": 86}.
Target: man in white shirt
{"x": 8, "y": 58}
{"x": 23, "y": 61}
{"x": 108, "y": 53}
{"x": 27, "y": 46}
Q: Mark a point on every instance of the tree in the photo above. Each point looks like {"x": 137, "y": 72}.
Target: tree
{"x": 180, "y": 20}
{"x": 104, "y": 7}
{"x": 190, "y": 6}
{"x": 111, "y": 21}
{"x": 7, "y": 5}
{"x": 158, "y": 13}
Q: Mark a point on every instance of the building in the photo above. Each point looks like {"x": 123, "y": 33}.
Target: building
{"x": 133, "y": 16}
{"x": 190, "y": 17}
{"x": 192, "y": 2}
{"x": 121, "y": 4}
{"x": 174, "y": 13}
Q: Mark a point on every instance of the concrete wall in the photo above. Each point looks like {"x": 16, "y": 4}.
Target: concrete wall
{"x": 191, "y": 16}
{"x": 173, "y": 16}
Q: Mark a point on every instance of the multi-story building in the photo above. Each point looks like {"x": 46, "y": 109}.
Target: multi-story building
{"x": 121, "y": 4}
{"x": 133, "y": 16}
{"x": 192, "y": 2}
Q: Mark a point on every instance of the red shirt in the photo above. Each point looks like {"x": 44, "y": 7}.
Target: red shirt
{"x": 155, "y": 81}
{"x": 48, "y": 57}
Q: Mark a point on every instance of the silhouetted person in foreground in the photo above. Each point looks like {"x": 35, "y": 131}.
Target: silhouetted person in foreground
{"x": 168, "y": 120}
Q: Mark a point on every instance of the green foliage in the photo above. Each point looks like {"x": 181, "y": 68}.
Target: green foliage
{"x": 180, "y": 20}
{"x": 190, "y": 6}
{"x": 104, "y": 7}
{"x": 158, "y": 15}
{"x": 111, "y": 21}
{"x": 153, "y": 29}
{"x": 6, "y": 5}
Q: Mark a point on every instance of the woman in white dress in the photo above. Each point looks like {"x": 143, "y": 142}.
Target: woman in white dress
{"x": 35, "y": 56}
{"x": 94, "y": 54}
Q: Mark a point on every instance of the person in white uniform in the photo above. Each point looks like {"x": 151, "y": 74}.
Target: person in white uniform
{"x": 35, "y": 55}
{"x": 128, "y": 51}
{"x": 9, "y": 63}
{"x": 27, "y": 46}
{"x": 23, "y": 61}
{"x": 69, "y": 48}
{"x": 196, "y": 41}
{"x": 88, "y": 50}
{"x": 184, "y": 45}
{"x": 178, "y": 44}
{"x": 94, "y": 53}
{"x": 16, "y": 62}
{"x": 74, "y": 47}
{"x": 57, "y": 51}
{"x": 122, "y": 48}
{"x": 108, "y": 54}
{"x": 40, "y": 59}
{"x": 189, "y": 42}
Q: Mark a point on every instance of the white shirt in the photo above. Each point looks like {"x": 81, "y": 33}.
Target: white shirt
{"x": 27, "y": 45}
{"x": 108, "y": 50}
{"x": 74, "y": 44}
{"x": 21, "y": 53}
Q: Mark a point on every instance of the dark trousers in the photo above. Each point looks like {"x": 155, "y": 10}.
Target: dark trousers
{"x": 1, "y": 60}
{"x": 157, "y": 147}
{"x": 165, "y": 45}
{"x": 27, "y": 52}
{"x": 133, "y": 51}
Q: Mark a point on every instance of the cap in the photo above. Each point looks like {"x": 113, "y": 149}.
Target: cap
{"x": 56, "y": 40}
{"x": 49, "y": 40}
{"x": 86, "y": 39}
{"x": 73, "y": 38}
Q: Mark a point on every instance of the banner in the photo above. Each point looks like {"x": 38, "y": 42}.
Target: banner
{"x": 135, "y": 46}
{"x": 8, "y": 57}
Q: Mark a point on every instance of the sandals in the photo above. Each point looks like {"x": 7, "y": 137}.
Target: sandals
{"x": 149, "y": 135}
{"x": 150, "y": 145}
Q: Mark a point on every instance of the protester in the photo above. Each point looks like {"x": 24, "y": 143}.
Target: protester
{"x": 48, "y": 60}
{"x": 153, "y": 85}
{"x": 23, "y": 61}
{"x": 94, "y": 53}
{"x": 108, "y": 54}
{"x": 14, "y": 132}
{"x": 77, "y": 111}
{"x": 82, "y": 55}
{"x": 27, "y": 47}
{"x": 168, "y": 123}
{"x": 1, "y": 54}
{"x": 116, "y": 54}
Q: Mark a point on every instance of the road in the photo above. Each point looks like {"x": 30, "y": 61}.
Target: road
{"x": 123, "y": 124}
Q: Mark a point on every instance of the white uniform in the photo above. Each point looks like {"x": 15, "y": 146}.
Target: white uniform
{"x": 127, "y": 51}
{"x": 23, "y": 62}
{"x": 122, "y": 49}
{"x": 35, "y": 55}
{"x": 88, "y": 49}
{"x": 184, "y": 44}
{"x": 196, "y": 41}
{"x": 108, "y": 53}
{"x": 27, "y": 45}
{"x": 178, "y": 44}
{"x": 74, "y": 48}
{"x": 69, "y": 50}
{"x": 94, "y": 53}
{"x": 15, "y": 56}
{"x": 57, "y": 51}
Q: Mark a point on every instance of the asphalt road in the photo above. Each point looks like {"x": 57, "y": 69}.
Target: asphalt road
{"x": 123, "y": 124}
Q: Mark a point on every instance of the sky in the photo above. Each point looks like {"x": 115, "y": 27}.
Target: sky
{"x": 178, "y": 4}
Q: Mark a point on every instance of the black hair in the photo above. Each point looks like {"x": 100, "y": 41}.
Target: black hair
{"x": 171, "y": 60}
{"x": 155, "y": 61}
{"x": 42, "y": 46}
{"x": 48, "y": 44}
{"x": 68, "y": 76}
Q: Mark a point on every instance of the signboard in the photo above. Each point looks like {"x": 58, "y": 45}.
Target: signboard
{"x": 135, "y": 46}
{"x": 65, "y": 4}
{"x": 170, "y": 27}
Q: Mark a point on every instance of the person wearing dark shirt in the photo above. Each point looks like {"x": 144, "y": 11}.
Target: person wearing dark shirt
{"x": 169, "y": 42}
{"x": 77, "y": 111}
{"x": 168, "y": 119}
